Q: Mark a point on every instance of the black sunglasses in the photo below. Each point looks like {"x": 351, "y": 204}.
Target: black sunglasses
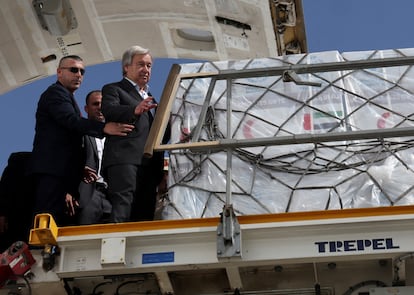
{"x": 74, "y": 70}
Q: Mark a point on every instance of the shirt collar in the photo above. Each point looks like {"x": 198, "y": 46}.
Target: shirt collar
{"x": 146, "y": 89}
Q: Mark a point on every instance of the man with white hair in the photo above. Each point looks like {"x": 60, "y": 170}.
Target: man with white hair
{"x": 132, "y": 179}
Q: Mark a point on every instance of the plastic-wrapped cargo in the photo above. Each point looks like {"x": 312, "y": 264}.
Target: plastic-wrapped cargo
{"x": 292, "y": 177}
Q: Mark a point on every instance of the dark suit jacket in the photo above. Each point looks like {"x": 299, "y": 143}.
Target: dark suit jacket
{"x": 92, "y": 161}
{"x": 57, "y": 146}
{"x": 16, "y": 199}
{"x": 92, "y": 202}
{"x": 118, "y": 105}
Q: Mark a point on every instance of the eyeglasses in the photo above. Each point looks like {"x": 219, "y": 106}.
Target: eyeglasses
{"x": 74, "y": 70}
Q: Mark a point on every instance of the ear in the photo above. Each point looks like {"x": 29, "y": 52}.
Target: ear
{"x": 125, "y": 70}
{"x": 85, "y": 108}
{"x": 58, "y": 71}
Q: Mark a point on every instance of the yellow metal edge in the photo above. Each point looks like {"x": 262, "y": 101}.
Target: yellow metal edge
{"x": 327, "y": 214}
{"x": 246, "y": 219}
{"x": 45, "y": 231}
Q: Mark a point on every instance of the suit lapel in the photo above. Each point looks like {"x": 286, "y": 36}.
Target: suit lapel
{"x": 75, "y": 105}
{"x": 128, "y": 87}
{"x": 93, "y": 143}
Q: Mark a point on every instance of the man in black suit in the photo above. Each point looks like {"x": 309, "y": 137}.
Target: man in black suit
{"x": 16, "y": 201}
{"x": 94, "y": 207}
{"x": 57, "y": 160}
{"x": 132, "y": 179}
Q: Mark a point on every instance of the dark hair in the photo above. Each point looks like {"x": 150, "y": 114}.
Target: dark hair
{"x": 88, "y": 96}
{"x": 75, "y": 57}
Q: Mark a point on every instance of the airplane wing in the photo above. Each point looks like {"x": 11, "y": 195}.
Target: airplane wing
{"x": 35, "y": 34}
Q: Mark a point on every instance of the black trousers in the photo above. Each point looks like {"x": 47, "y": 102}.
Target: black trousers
{"x": 132, "y": 192}
{"x": 94, "y": 205}
{"x": 50, "y": 194}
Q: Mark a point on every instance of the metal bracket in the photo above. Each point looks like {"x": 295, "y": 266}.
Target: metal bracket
{"x": 57, "y": 16}
{"x": 291, "y": 76}
{"x": 44, "y": 232}
{"x": 228, "y": 234}
{"x": 111, "y": 257}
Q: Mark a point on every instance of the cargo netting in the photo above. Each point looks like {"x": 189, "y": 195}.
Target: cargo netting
{"x": 277, "y": 178}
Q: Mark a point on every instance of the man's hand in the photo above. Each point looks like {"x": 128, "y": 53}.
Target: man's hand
{"x": 89, "y": 175}
{"x": 145, "y": 105}
{"x": 120, "y": 129}
{"x": 71, "y": 204}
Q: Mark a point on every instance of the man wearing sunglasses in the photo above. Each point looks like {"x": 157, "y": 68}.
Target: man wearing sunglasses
{"x": 57, "y": 160}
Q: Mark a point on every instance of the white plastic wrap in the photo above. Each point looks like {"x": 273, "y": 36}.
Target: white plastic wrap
{"x": 295, "y": 177}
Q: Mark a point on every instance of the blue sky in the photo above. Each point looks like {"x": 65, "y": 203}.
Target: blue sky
{"x": 351, "y": 25}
